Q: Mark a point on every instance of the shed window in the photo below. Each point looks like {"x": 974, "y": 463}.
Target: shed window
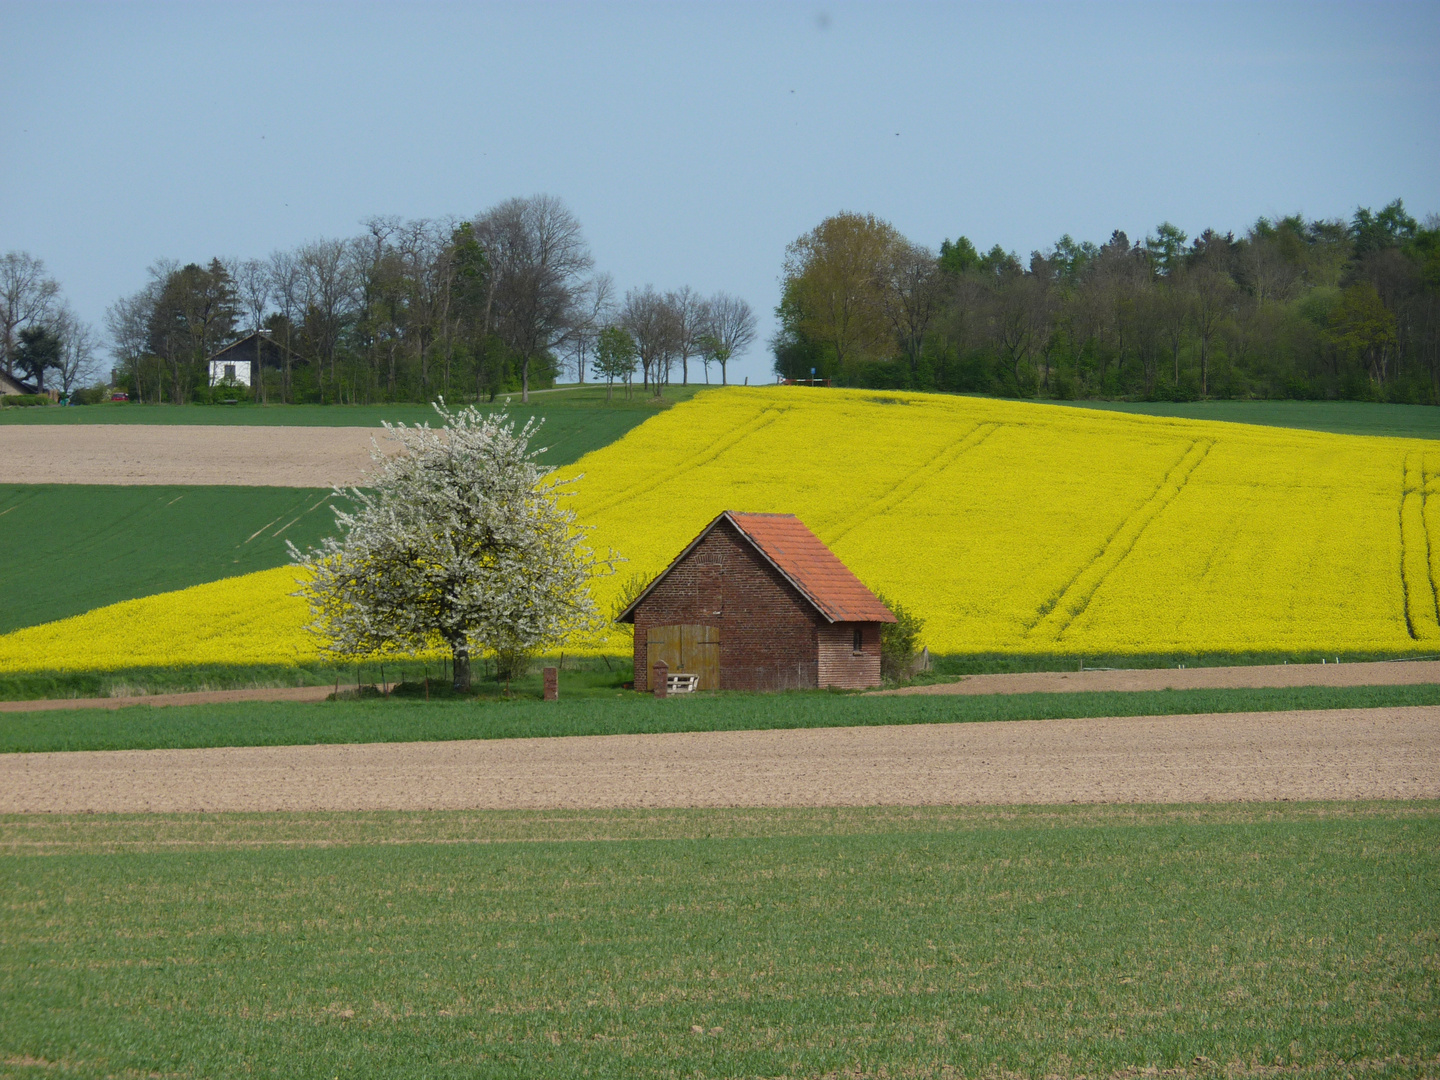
{"x": 859, "y": 639}
{"x": 229, "y": 372}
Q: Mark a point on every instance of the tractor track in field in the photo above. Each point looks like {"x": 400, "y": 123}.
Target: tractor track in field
{"x": 1387, "y": 753}
{"x": 1057, "y": 615}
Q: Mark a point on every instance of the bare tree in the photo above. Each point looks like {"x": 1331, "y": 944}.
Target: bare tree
{"x": 1210, "y": 292}
{"x": 538, "y": 264}
{"x": 729, "y": 330}
{"x": 651, "y": 322}
{"x": 26, "y": 296}
{"x": 287, "y": 286}
{"x": 77, "y": 363}
{"x": 910, "y": 295}
{"x": 421, "y": 246}
{"x": 253, "y": 289}
{"x": 687, "y": 309}
{"x": 596, "y": 311}
{"x": 328, "y": 277}
{"x": 128, "y": 323}
{"x": 1021, "y": 313}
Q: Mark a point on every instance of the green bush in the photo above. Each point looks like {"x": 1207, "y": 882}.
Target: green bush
{"x": 24, "y": 400}
{"x": 899, "y": 641}
{"x": 90, "y": 395}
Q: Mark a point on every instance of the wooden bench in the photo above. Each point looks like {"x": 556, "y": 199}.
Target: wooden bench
{"x": 681, "y": 684}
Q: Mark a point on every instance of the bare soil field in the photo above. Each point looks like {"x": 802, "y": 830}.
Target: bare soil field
{"x": 175, "y": 454}
{"x": 1380, "y": 673}
{"x": 1391, "y": 753}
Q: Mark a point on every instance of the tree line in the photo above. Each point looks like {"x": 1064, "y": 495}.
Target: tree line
{"x": 408, "y": 310}
{"x": 1294, "y": 308}
{"x": 40, "y": 335}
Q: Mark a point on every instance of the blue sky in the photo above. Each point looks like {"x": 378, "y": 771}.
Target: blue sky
{"x": 692, "y": 140}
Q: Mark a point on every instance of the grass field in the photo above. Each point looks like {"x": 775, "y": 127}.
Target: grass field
{"x": 100, "y": 544}
{"x": 582, "y": 414}
{"x": 1339, "y": 417}
{"x": 619, "y": 712}
{"x": 1288, "y": 940}
{"x": 107, "y": 543}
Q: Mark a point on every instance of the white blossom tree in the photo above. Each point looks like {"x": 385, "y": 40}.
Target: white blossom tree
{"x": 458, "y": 541}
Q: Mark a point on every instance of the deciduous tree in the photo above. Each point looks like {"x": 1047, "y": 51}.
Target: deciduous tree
{"x": 458, "y": 540}
{"x": 26, "y": 295}
{"x": 539, "y": 262}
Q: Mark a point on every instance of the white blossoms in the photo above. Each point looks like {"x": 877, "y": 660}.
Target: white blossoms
{"x": 457, "y": 542}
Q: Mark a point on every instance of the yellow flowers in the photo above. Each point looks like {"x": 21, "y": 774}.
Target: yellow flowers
{"x": 242, "y": 620}
{"x": 1026, "y": 528}
{"x": 1010, "y": 527}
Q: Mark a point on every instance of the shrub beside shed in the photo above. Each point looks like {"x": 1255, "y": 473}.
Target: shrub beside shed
{"x": 758, "y": 602}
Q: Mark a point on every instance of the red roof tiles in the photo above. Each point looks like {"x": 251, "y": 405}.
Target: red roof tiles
{"x": 810, "y": 566}
{"x": 800, "y": 556}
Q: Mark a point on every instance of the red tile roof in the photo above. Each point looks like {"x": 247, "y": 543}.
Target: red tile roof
{"x": 810, "y": 566}
{"x": 800, "y": 556}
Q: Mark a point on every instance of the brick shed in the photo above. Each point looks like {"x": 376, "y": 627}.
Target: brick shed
{"x": 757, "y": 602}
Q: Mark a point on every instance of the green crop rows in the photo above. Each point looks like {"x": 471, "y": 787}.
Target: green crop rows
{"x": 1211, "y": 941}
{"x": 606, "y": 710}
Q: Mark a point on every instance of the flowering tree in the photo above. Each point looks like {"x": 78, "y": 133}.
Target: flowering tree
{"x": 458, "y": 541}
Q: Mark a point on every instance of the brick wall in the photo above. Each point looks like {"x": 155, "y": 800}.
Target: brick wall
{"x": 840, "y": 664}
{"x": 768, "y": 633}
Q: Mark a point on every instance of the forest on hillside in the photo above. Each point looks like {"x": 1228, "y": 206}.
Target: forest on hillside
{"x": 407, "y": 310}
{"x": 1294, "y": 308}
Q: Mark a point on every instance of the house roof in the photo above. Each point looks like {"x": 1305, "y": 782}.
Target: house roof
{"x": 261, "y": 338}
{"x": 13, "y": 386}
{"x": 802, "y": 559}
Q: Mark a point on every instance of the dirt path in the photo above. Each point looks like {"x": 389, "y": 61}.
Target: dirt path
{"x": 1401, "y": 673}
{"x": 180, "y": 454}
{"x": 195, "y": 697}
{"x": 1380, "y": 674}
{"x": 1340, "y": 754}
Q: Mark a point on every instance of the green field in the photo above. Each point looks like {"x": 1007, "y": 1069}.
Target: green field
{"x": 98, "y": 544}
{"x": 608, "y": 711}
{"x": 580, "y": 410}
{"x": 1342, "y": 417}
{"x": 106, "y": 543}
{"x": 1255, "y": 940}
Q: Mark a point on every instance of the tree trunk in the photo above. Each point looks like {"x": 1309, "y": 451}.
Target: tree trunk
{"x": 525, "y": 381}
{"x": 461, "y": 667}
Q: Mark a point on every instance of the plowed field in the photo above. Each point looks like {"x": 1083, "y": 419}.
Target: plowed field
{"x": 1339, "y": 754}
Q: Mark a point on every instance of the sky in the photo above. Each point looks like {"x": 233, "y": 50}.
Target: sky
{"x": 694, "y": 141}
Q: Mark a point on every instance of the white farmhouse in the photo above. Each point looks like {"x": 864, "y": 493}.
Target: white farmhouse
{"x": 239, "y": 363}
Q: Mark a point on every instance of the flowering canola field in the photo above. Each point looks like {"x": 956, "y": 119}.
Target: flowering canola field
{"x": 1011, "y": 527}
{"x": 1026, "y": 528}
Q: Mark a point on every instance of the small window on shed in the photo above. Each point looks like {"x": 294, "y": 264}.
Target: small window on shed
{"x": 859, "y": 639}
{"x": 229, "y": 372}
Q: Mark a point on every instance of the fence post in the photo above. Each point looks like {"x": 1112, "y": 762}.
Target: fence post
{"x": 552, "y": 684}
{"x": 662, "y": 678}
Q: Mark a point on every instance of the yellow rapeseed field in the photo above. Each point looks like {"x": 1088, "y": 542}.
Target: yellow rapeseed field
{"x": 241, "y": 620}
{"x": 1024, "y": 528}
{"x": 1011, "y": 527}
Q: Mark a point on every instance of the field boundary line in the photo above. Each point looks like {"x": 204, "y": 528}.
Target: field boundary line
{"x": 1072, "y": 601}
{"x": 907, "y": 485}
{"x": 1417, "y": 578}
{"x": 728, "y": 441}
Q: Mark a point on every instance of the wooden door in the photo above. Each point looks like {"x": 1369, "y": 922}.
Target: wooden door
{"x": 687, "y": 648}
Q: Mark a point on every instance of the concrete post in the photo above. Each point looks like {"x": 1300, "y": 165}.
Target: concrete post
{"x": 661, "y": 681}
{"x": 552, "y": 684}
